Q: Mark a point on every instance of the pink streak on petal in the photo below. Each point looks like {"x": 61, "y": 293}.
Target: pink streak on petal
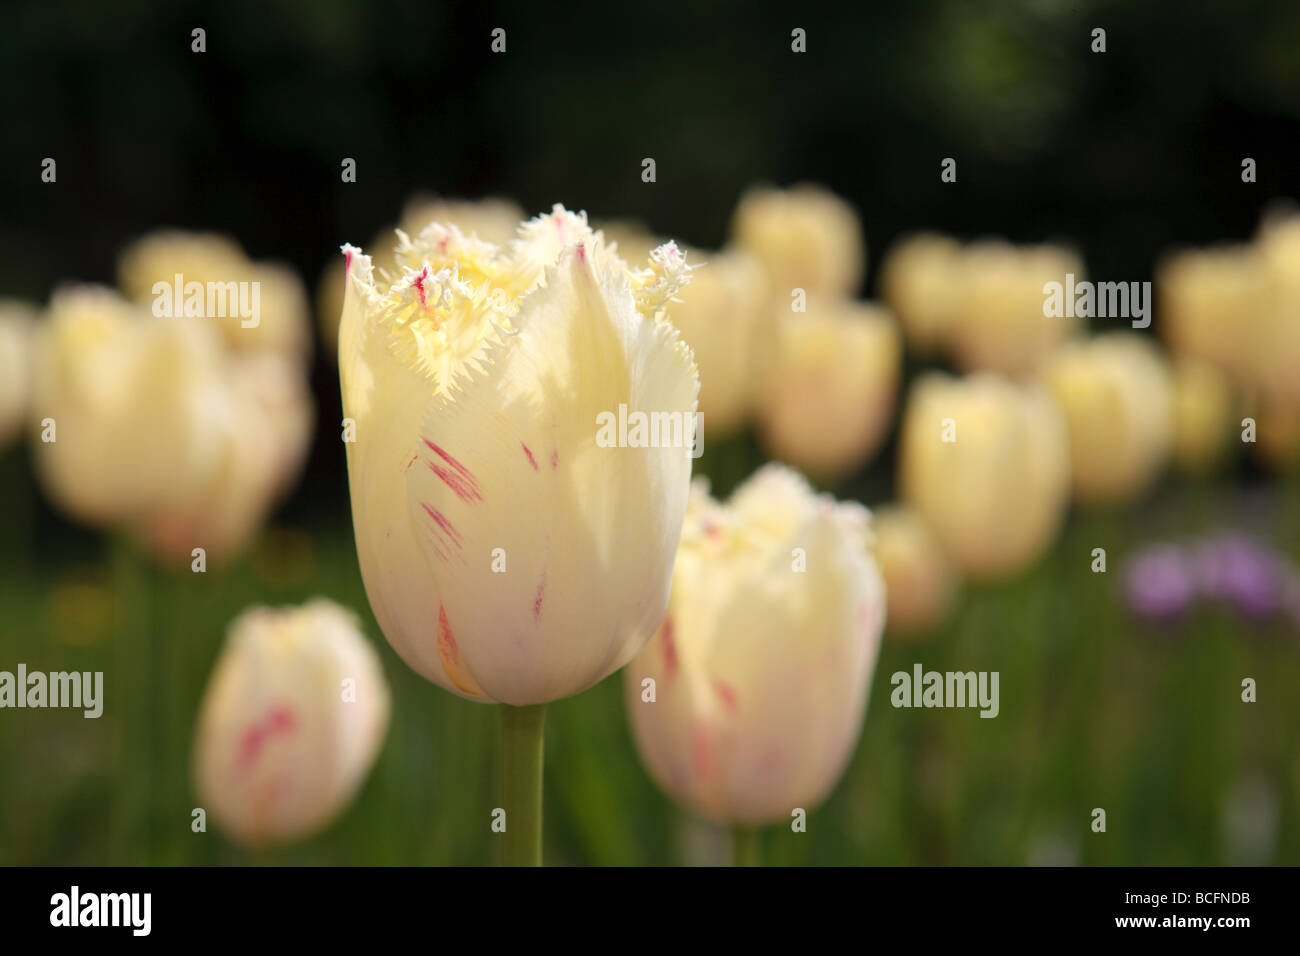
{"x": 555, "y": 459}
{"x": 279, "y": 719}
{"x": 459, "y": 479}
{"x": 726, "y": 693}
{"x": 531, "y": 460}
{"x": 670, "y": 649}
{"x": 419, "y": 287}
{"x": 537, "y": 601}
{"x": 703, "y": 752}
{"x": 441, "y": 520}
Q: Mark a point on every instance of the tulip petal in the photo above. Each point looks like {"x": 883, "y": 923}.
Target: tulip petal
{"x": 509, "y": 459}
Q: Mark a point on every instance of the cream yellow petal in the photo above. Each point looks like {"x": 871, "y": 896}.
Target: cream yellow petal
{"x": 510, "y": 460}
{"x": 383, "y": 403}
{"x": 763, "y": 664}
{"x": 132, "y": 398}
{"x": 828, "y": 388}
{"x": 291, "y": 721}
{"x": 1115, "y": 392}
{"x": 987, "y": 463}
{"x": 806, "y": 238}
{"x": 999, "y": 324}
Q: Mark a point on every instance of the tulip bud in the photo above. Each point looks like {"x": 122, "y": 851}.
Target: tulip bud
{"x": 1203, "y": 414}
{"x": 827, "y": 393}
{"x": 720, "y": 316}
{"x": 805, "y": 237}
{"x": 255, "y": 305}
{"x": 491, "y": 219}
{"x": 292, "y": 719}
{"x": 1276, "y": 365}
{"x": 264, "y": 438}
{"x": 919, "y": 578}
{"x": 986, "y": 463}
{"x": 1211, "y": 301}
{"x": 17, "y": 331}
{"x": 515, "y": 547}
{"x": 749, "y": 700}
{"x": 1115, "y": 392}
{"x": 134, "y": 401}
{"x": 1000, "y": 323}
{"x": 921, "y": 281}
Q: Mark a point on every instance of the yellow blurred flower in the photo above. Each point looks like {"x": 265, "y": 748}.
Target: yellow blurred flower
{"x": 999, "y": 323}
{"x": 147, "y": 271}
{"x": 1276, "y": 356}
{"x": 131, "y": 403}
{"x": 491, "y": 219}
{"x": 264, "y": 438}
{"x": 921, "y": 281}
{"x": 721, "y": 317}
{"x": 158, "y": 430}
{"x": 292, "y": 719}
{"x": 806, "y": 238}
{"x": 920, "y": 580}
{"x": 1203, "y": 406}
{"x": 986, "y": 462}
{"x": 763, "y": 664}
{"x": 828, "y": 385}
{"x": 507, "y": 553}
{"x": 1116, "y": 395}
{"x": 1211, "y": 301}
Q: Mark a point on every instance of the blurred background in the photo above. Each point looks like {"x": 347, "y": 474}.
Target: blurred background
{"x": 1122, "y": 156}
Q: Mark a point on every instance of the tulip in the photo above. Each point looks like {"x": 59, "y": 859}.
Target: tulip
{"x": 1276, "y": 357}
{"x": 291, "y": 722}
{"x": 491, "y": 218}
{"x": 264, "y": 436}
{"x": 131, "y": 401}
{"x": 508, "y": 553}
{"x": 1115, "y": 392}
{"x": 806, "y": 238}
{"x": 921, "y": 281}
{"x": 1210, "y": 302}
{"x": 1202, "y": 414}
{"x": 827, "y": 393}
{"x": 721, "y": 318}
{"x": 282, "y": 324}
{"x": 159, "y": 431}
{"x": 999, "y": 324}
{"x": 919, "y": 578}
{"x": 633, "y": 241}
{"x": 748, "y": 703}
{"x": 986, "y": 464}
{"x": 17, "y": 328}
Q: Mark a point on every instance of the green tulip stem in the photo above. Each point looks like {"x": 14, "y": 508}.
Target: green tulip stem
{"x": 522, "y": 733}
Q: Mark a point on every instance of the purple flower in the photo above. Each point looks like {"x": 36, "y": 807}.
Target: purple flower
{"x": 1159, "y": 583}
{"x": 1240, "y": 572}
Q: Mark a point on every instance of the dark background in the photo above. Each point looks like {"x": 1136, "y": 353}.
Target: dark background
{"x": 1124, "y": 153}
